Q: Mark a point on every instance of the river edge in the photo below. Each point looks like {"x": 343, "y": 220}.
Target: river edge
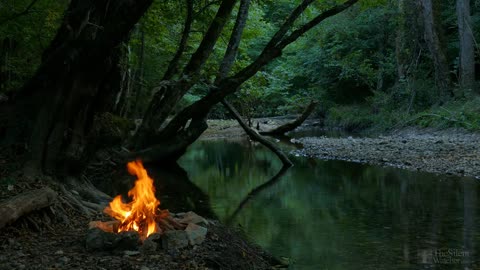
{"x": 444, "y": 152}
{"x": 450, "y": 152}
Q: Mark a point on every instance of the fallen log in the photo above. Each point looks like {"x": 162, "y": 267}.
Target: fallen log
{"x": 292, "y": 125}
{"x": 24, "y": 203}
{"x": 257, "y": 137}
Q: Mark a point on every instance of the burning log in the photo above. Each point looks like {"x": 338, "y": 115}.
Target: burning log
{"x": 24, "y": 203}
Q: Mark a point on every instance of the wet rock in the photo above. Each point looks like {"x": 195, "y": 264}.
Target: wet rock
{"x": 174, "y": 240}
{"x": 196, "y": 234}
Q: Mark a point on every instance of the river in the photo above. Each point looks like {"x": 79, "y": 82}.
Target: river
{"x": 339, "y": 215}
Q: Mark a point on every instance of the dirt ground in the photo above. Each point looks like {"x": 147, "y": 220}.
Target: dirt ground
{"x": 53, "y": 239}
{"x": 60, "y": 244}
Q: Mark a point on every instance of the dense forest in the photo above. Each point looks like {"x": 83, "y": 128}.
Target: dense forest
{"x": 378, "y": 65}
{"x": 90, "y": 84}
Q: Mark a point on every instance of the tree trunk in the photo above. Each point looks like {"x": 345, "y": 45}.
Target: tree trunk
{"x": 162, "y": 105}
{"x": 432, "y": 28}
{"x": 400, "y": 42}
{"x": 136, "y": 111}
{"x": 56, "y": 107}
{"x": 293, "y": 125}
{"x": 122, "y": 98}
{"x": 467, "y": 50}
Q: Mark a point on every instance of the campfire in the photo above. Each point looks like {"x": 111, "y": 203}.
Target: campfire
{"x": 142, "y": 221}
{"x": 142, "y": 214}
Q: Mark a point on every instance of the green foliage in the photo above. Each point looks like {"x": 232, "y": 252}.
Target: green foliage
{"x": 348, "y": 63}
{"x": 23, "y": 38}
{"x": 351, "y": 118}
{"x": 458, "y": 114}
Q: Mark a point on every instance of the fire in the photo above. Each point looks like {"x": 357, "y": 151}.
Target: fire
{"x": 142, "y": 213}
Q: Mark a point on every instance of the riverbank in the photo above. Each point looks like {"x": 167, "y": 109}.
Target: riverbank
{"x": 447, "y": 151}
{"x": 453, "y": 151}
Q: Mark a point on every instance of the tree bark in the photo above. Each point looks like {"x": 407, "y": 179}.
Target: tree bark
{"x": 436, "y": 46}
{"x": 136, "y": 111}
{"x": 24, "y": 203}
{"x": 467, "y": 50}
{"x": 293, "y": 125}
{"x": 234, "y": 42}
{"x": 400, "y": 41}
{"x": 162, "y": 105}
{"x": 56, "y": 107}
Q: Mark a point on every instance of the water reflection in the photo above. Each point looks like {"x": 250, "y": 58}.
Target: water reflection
{"x": 340, "y": 215}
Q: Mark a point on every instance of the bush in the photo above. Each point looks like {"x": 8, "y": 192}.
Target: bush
{"x": 350, "y": 118}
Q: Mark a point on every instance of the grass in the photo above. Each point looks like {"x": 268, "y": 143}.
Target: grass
{"x": 463, "y": 113}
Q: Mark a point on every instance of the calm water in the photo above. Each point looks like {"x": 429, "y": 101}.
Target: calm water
{"x": 340, "y": 215}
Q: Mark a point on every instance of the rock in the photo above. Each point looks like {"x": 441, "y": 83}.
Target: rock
{"x": 151, "y": 244}
{"x": 191, "y": 217}
{"x": 127, "y": 241}
{"x": 131, "y": 253}
{"x": 3, "y": 98}
{"x": 174, "y": 240}
{"x": 181, "y": 214}
{"x": 99, "y": 240}
{"x": 196, "y": 234}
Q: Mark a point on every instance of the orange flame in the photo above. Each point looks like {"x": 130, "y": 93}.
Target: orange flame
{"x": 141, "y": 213}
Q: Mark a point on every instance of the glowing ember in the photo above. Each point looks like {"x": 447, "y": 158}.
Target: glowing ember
{"x": 142, "y": 213}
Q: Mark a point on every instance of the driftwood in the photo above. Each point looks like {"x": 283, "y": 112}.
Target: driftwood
{"x": 257, "y": 137}
{"x": 24, "y": 203}
{"x": 292, "y": 125}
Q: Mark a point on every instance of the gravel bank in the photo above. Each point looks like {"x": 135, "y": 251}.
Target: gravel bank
{"x": 446, "y": 152}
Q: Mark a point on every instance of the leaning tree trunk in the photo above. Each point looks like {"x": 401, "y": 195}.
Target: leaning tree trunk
{"x": 190, "y": 122}
{"x": 467, "y": 50}
{"x": 56, "y": 107}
